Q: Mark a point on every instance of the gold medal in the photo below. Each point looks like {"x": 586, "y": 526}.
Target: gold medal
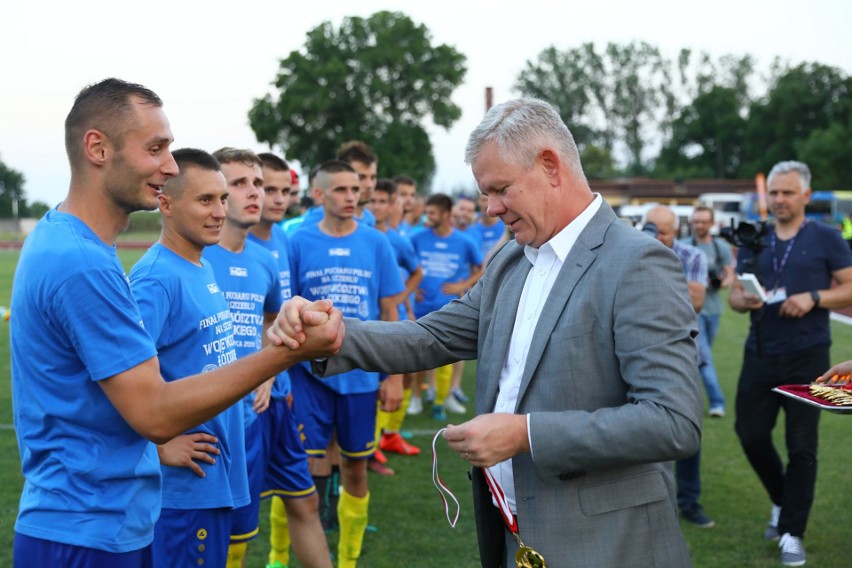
{"x": 529, "y": 558}
{"x": 526, "y": 557}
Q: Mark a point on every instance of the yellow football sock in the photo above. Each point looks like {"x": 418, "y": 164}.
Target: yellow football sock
{"x": 236, "y": 552}
{"x": 443, "y": 381}
{"x": 395, "y": 418}
{"x": 381, "y": 422}
{"x": 279, "y": 533}
{"x": 352, "y": 514}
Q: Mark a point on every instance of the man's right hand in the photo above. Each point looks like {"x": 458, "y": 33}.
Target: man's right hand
{"x": 315, "y": 329}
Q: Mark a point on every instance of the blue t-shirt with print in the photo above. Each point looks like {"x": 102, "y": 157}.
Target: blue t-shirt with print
{"x": 187, "y": 316}
{"x": 354, "y": 271}
{"x": 406, "y": 259}
{"x": 406, "y": 229}
{"x": 489, "y": 236}
{"x": 443, "y": 259}
{"x": 811, "y": 257}
{"x": 277, "y": 245}
{"x": 473, "y": 234}
{"x": 316, "y": 214}
{"x": 89, "y": 479}
{"x": 249, "y": 281}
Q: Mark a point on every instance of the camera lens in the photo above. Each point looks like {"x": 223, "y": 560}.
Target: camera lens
{"x": 650, "y": 229}
{"x": 747, "y": 232}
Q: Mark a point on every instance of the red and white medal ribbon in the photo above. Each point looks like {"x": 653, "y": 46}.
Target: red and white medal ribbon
{"x": 502, "y": 503}
{"x": 439, "y": 484}
{"x": 525, "y": 556}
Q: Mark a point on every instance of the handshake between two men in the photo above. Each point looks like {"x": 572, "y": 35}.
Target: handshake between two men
{"x": 484, "y": 441}
{"x": 293, "y": 327}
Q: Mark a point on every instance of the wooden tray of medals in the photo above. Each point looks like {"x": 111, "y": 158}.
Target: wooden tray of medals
{"x": 834, "y": 395}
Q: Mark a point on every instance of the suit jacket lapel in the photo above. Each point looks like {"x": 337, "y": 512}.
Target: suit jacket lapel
{"x": 579, "y": 259}
{"x": 502, "y": 323}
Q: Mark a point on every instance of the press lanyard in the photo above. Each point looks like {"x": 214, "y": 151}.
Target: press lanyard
{"x": 778, "y": 269}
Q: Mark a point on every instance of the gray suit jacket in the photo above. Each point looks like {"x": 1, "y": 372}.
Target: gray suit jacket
{"x": 611, "y": 387}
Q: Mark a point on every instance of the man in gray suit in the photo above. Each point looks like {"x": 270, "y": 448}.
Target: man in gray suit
{"x": 587, "y": 383}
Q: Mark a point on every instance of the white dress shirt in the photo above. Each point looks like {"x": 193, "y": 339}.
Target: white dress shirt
{"x": 547, "y": 261}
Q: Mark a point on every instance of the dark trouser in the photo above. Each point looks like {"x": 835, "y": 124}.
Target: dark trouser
{"x": 31, "y": 552}
{"x": 688, "y": 476}
{"x": 757, "y": 411}
{"x": 511, "y": 548}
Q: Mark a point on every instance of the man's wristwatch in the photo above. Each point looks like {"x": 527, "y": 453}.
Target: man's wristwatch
{"x": 815, "y": 298}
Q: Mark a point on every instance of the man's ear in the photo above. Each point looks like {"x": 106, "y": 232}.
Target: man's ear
{"x": 550, "y": 163}
{"x": 96, "y": 147}
{"x": 165, "y": 205}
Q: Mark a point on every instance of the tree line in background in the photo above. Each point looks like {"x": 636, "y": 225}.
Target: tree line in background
{"x": 633, "y": 112}
{"x": 374, "y": 79}
{"x": 13, "y": 199}
{"x": 695, "y": 117}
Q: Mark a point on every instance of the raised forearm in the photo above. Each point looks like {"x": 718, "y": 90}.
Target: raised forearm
{"x": 159, "y": 410}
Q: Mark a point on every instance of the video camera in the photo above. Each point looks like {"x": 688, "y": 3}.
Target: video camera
{"x": 751, "y": 236}
{"x": 746, "y": 234}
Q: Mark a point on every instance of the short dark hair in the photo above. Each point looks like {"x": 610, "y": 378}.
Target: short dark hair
{"x": 329, "y": 168}
{"x": 273, "y": 162}
{"x": 386, "y": 185}
{"x": 440, "y": 200}
{"x": 704, "y": 208}
{"x": 228, "y": 155}
{"x": 402, "y": 178}
{"x": 186, "y": 157}
{"x": 312, "y": 175}
{"x": 189, "y": 158}
{"x": 103, "y": 106}
{"x": 334, "y": 167}
{"x": 356, "y": 151}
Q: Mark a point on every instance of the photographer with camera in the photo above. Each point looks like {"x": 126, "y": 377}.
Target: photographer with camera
{"x": 795, "y": 261}
{"x": 720, "y": 268}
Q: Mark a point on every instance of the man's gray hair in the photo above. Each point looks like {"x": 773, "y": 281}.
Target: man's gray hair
{"x": 522, "y": 128}
{"x": 800, "y": 168}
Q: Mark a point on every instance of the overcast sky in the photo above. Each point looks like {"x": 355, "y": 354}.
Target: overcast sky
{"x": 208, "y": 60}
